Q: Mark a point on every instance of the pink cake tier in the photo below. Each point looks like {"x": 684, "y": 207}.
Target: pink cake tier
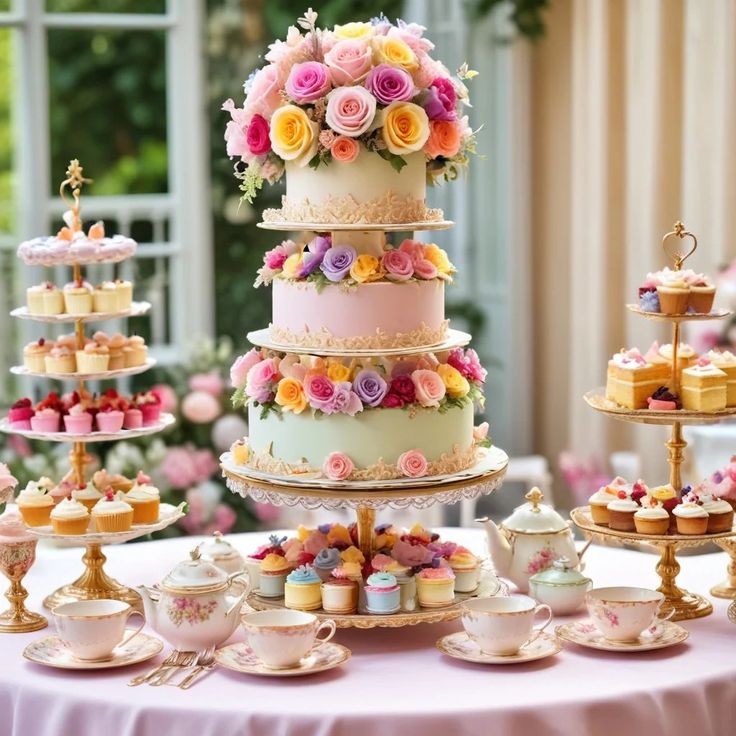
{"x": 373, "y": 316}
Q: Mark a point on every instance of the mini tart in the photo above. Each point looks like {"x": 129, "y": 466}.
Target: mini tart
{"x": 60, "y": 360}
{"x": 93, "y": 359}
{"x": 652, "y": 520}
{"x": 340, "y": 595}
{"x": 691, "y": 519}
{"x": 105, "y": 297}
{"x": 146, "y": 503}
{"x": 78, "y": 298}
{"x": 70, "y": 517}
{"x": 621, "y": 514}
{"x": 720, "y": 516}
{"x": 113, "y": 514}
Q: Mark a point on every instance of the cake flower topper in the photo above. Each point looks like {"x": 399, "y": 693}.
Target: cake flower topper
{"x": 75, "y": 181}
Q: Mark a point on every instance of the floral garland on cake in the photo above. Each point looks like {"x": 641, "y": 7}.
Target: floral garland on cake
{"x": 321, "y": 262}
{"x": 326, "y": 94}
{"x": 296, "y": 383}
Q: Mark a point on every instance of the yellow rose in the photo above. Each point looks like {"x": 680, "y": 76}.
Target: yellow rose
{"x": 437, "y": 256}
{"x": 405, "y": 127}
{"x": 290, "y": 395}
{"x": 292, "y": 264}
{"x": 395, "y": 52}
{"x": 365, "y": 268}
{"x": 456, "y": 384}
{"x": 354, "y": 30}
{"x": 338, "y": 372}
{"x": 294, "y": 136}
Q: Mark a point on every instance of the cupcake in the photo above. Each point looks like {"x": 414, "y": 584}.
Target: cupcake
{"x": 667, "y": 496}
{"x": 46, "y": 420}
{"x": 435, "y": 587}
{"x": 34, "y": 355}
{"x": 382, "y": 593}
{"x": 150, "y": 406}
{"x": 466, "y": 567}
{"x": 125, "y": 294}
{"x": 621, "y": 513}
{"x": 302, "y": 589}
{"x": 702, "y": 294}
{"x": 20, "y": 413}
{"x": 112, "y": 513}
{"x": 61, "y": 359}
{"x": 87, "y": 495}
{"x": 35, "y": 503}
{"x": 720, "y": 514}
{"x": 145, "y": 500}
{"x": 109, "y": 420}
{"x": 339, "y": 595}
{"x": 603, "y": 496}
{"x": 94, "y": 358}
{"x": 78, "y": 297}
{"x": 135, "y": 352}
{"x": 116, "y": 346}
{"x": 326, "y": 561}
{"x": 691, "y": 518}
{"x": 44, "y": 299}
{"x": 132, "y": 418}
{"x": 78, "y": 420}
{"x": 240, "y": 452}
{"x": 674, "y": 295}
{"x": 70, "y": 517}
{"x": 651, "y": 518}
{"x": 105, "y": 297}
{"x": 272, "y": 576}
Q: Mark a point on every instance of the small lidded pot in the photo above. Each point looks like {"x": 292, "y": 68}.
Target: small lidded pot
{"x": 221, "y": 553}
{"x": 560, "y": 586}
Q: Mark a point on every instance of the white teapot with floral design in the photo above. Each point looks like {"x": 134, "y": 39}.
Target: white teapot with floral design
{"x": 530, "y": 540}
{"x": 192, "y": 608}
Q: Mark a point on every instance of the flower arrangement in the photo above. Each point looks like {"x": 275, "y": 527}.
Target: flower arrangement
{"x": 326, "y": 95}
{"x": 322, "y": 263}
{"x": 287, "y": 382}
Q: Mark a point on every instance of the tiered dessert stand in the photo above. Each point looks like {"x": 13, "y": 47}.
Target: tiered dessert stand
{"x": 686, "y": 605}
{"x": 367, "y": 497}
{"x": 94, "y": 582}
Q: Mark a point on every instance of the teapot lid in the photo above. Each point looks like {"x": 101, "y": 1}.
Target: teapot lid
{"x": 535, "y": 517}
{"x": 562, "y": 572}
{"x": 195, "y": 575}
{"x": 218, "y": 548}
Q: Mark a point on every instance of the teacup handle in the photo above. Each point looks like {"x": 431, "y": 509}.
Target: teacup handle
{"x": 137, "y": 631}
{"x": 328, "y": 624}
{"x": 539, "y": 629}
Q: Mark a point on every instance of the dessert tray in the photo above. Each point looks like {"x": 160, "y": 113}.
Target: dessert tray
{"x": 454, "y": 339}
{"x": 388, "y": 227}
{"x": 136, "y": 310}
{"x": 21, "y": 370}
{"x": 688, "y": 317}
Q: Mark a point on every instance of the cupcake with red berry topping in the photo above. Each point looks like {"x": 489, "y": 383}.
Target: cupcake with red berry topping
{"x": 603, "y": 496}
{"x": 78, "y": 420}
{"x": 621, "y": 512}
{"x": 651, "y": 518}
{"x": 112, "y": 513}
{"x": 720, "y": 513}
{"x": 34, "y": 355}
{"x": 20, "y": 413}
{"x": 35, "y": 502}
{"x": 44, "y": 299}
{"x": 87, "y": 495}
{"x": 135, "y": 352}
{"x": 145, "y": 499}
{"x": 46, "y": 420}
{"x": 150, "y": 406}
{"x": 691, "y": 518}
{"x": 669, "y": 499}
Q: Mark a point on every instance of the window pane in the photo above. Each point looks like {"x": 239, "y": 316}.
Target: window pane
{"x": 107, "y": 105}
{"x": 109, "y": 6}
{"x": 7, "y": 181}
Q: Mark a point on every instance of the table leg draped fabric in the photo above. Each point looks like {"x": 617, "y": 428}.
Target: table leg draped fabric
{"x": 396, "y": 682}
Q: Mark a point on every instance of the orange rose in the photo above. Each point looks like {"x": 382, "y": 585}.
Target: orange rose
{"x": 444, "y": 139}
{"x": 344, "y": 149}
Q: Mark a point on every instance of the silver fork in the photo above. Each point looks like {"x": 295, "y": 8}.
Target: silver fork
{"x": 205, "y": 663}
{"x": 186, "y": 659}
{"x": 170, "y": 661}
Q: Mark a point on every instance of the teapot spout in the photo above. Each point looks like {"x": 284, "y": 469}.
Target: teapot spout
{"x": 498, "y": 547}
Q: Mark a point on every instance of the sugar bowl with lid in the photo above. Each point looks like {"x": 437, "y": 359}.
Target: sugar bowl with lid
{"x": 560, "y": 586}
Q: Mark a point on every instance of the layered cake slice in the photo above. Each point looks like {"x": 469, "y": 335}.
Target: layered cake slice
{"x": 703, "y": 387}
{"x": 632, "y": 379}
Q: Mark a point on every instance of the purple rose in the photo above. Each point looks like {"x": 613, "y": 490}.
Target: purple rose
{"x": 310, "y": 263}
{"x": 370, "y": 387}
{"x": 441, "y": 100}
{"x": 337, "y": 262}
{"x": 398, "y": 265}
{"x": 319, "y": 244}
{"x": 389, "y": 84}
{"x": 344, "y": 401}
{"x": 319, "y": 391}
{"x": 308, "y": 81}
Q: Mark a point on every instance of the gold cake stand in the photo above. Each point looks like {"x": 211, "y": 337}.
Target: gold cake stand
{"x": 686, "y": 605}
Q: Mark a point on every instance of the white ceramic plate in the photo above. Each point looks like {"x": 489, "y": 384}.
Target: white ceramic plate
{"x": 21, "y": 370}
{"x": 460, "y": 646}
{"x": 136, "y": 309}
{"x": 586, "y": 634}
{"x": 239, "y": 658}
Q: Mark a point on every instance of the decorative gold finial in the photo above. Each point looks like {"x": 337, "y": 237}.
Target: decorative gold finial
{"x": 677, "y": 254}
{"x": 74, "y": 181}
{"x": 535, "y": 497}
{"x": 195, "y": 554}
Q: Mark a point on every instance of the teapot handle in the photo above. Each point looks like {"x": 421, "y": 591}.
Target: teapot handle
{"x": 238, "y": 602}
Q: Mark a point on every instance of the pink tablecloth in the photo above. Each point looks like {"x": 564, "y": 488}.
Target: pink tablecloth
{"x": 396, "y": 682}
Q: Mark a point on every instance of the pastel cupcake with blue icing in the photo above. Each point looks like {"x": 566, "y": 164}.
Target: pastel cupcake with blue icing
{"x": 326, "y": 561}
{"x": 382, "y": 593}
{"x": 302, "y": 590}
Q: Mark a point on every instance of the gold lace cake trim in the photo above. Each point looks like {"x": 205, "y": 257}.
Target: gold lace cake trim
{"x": 423, "y": 336}
{"x": 389, "y": 208}
{"x": 449, "y": 462}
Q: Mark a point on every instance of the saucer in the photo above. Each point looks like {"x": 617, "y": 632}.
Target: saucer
{"x": 52, "y": 652}
{"x": 460, "y": 646}
{"x": 240, "y": 658}
{"x": 585, "y": 633}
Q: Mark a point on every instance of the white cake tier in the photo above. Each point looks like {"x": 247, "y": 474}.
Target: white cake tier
{"x": 380, "y": 315}
{"x": 368, "y": 190}
{"x": 286, "y": 443}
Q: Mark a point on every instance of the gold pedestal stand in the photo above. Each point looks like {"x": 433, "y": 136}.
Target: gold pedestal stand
{"x": 727, "y": 589}
{"x": 18, "y": 619}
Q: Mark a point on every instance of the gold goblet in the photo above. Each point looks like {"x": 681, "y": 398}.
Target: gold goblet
{"x": 17, "y": 555}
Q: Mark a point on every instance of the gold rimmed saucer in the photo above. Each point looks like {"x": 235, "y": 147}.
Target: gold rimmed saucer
{"x": 460, "y": 646}
{"x": 585, "y": 633}
{"x": 240, "y": 658}
{"x": 50, "y": 651}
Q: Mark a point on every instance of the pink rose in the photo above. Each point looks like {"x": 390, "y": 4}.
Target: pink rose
{"x": 412, "y": 463}
{"x": 337, "y": 466}
{"x": 264, "y": 92}
{"x": 425, "y": 269}
{"x": 210, "y": 383}
{"x": 411, "y": 555}
{"x": 348, "y": 61}
{"x": 344, "y": 149}
{"x": 241, "y": 366}
{"x": 319, "y": 391}
{"x": 260, "y": 379}
{"x": 413, "y": 248}
{"x": 308, "y": 81}
{"x": 257, "y": 136}
{"x": 412, "y": 34}
{"x": 350, "y": 110}
{"x": 166, "y": 397}
{"x": 398, "y": 265}
{"x": 236, "y": 143}
{"x": 429, "y": 387}
{"x": 200, "y": 407}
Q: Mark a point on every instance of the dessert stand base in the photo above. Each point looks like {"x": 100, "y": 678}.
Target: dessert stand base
{"x": 727, "y": 589}
{"x": 12, "y": 622}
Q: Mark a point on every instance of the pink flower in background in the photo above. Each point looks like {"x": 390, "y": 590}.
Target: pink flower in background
{"x": 412, "y": 463}
{"x": 210, "y": 383}
{"x": 19, "y": 445}
{"x": 582, "y": 477}
{"x": 223, "y": 520}
{"x": 266, "y": 513}
{"x": 338, "y": 466}
{"x": 200, "y": 407}
{"x": 196, "y": 522}
{"x": 166, "y": 396}
{"x": 184, "y": 466}
{"x": 241, "y": 366}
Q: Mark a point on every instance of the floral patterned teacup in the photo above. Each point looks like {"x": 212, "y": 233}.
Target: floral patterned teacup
{"x": 92, "y": 629}
{"x": 623, "y": 613}
{"x": 281, "y": 638}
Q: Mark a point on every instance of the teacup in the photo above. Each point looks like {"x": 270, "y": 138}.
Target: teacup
{"x": 280, "y": 639}
{"x": 623, "y": 613}
{"x": 503, "y": 625}
{"x": 92, "y": 629}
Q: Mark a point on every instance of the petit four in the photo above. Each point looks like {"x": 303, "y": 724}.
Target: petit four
{"x": 34, "y": 355}
{"x": 78, "y": 297}
{"x": 703, "y": 387}
{"x": 20, "y": 413}
{"x": 382, "y": 593}
{"x": 632, "y": 379}
{"x": 302, "y": 589}
{"x": 326, "y": 561}
{"x": 105, "y": 297}
{"x": 78, "y": 420}
{"x": 664, "y": 400}
{"x": 466, "y": 567}
{"x": 725, "y": 361}
{"x": 435, "y": 587}
{"x": 272, "y": 575}
{"x": 93, "y": 358}
{"x": 61, "y": 359}
{"x": 339, "y": 595}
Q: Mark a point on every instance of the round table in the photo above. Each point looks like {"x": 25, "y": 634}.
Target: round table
{"x": 396, "y": 681}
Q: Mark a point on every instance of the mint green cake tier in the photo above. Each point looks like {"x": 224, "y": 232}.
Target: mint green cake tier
{"x": 370, "y": 436}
